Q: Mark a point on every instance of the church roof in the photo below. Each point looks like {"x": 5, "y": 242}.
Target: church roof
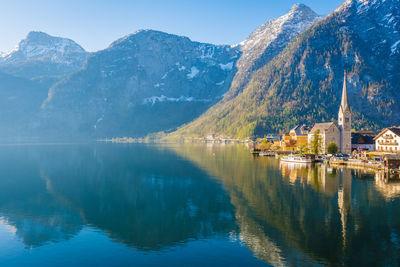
{"x": 322, "y": 126}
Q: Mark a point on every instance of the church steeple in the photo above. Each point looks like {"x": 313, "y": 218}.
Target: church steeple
{"x": 344, "y": 120}
{"x": 345, "y": 102}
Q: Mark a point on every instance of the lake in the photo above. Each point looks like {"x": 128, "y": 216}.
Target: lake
{"x": 189, "y": 205}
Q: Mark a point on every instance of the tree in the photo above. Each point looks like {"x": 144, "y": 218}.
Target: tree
{"x": 316, "y": 143}
{"x": 332, "y": 148}
{"x": 302, "y": 149}
{"x": 265, "y": 145}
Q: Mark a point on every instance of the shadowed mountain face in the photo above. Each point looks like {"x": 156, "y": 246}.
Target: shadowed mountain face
{"x": 145, "y": 82}
{"x": 303, "y": 83}
{"x": 20, "y": 98}
{"x": 143, "y": 197}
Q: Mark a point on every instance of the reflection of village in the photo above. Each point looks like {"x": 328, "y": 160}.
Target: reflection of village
{"x": 337, "y": 183}
{"x": 331, "y": 180}
{"x": 289, "y": 214}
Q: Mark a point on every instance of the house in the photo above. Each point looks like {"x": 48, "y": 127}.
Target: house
{"x": 300, "y": 134}
{"x": 288, "y": 143}
{"x": 297, "y": 138}
{"x": 363, "y": 141}
{"x": 328, "y": 132}
{"x": 388, "y": 140}
{"x": 341, "y": 134}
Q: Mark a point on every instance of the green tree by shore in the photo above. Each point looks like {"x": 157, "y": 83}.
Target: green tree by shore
{"x": 332, "y": 148}
{"x": 316, "y": 143}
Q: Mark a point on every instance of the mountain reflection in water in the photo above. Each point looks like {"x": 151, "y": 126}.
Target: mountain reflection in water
{"x": 136, "y": 196}
{"x": 154, "y": 198}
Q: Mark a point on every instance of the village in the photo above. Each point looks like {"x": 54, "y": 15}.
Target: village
{"x": 331, "y": 143}
{"x": 336, "y": 144}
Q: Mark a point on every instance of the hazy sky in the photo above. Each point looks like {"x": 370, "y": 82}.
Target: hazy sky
{"x": 94, "y": 24}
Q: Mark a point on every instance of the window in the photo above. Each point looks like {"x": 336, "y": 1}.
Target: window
{"x": 347, "y": 120}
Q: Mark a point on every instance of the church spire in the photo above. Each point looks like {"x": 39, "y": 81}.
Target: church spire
{"x": 344, "y": 120}
{"x": 345, "y": 103}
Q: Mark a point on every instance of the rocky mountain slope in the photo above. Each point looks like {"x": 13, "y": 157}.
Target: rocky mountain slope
{"x": 40, "y": 55}
{"x": 267, "y": 41}
{"x": 145, "y": 82}
{"x": 303, "y": 83}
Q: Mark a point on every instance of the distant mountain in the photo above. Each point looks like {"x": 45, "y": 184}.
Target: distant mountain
{"x": 146, "y": 82}
{"x": 26, "y": 74}
{"x": 303, "y": 83}
{"x": 40, "y": 55}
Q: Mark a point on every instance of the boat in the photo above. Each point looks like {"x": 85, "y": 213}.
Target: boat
{"x": 297, "y": 159}
{"x": 266, "y": 154}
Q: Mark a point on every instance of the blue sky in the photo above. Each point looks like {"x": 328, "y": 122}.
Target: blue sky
{"x": 94, "y": 24}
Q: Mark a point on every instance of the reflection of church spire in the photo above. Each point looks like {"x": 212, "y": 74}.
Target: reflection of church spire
{"x": 344, "y": 201}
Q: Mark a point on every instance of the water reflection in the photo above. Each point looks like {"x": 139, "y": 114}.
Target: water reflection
{"x": 152, "y": 198}
{"x": 134, "y": 195}
{"x": 299, "y": 215}
{"x": 387, "y": 186}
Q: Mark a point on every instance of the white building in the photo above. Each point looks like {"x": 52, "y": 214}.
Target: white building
{"x": 388, "y": 140}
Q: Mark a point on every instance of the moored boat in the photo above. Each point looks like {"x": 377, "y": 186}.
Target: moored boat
{"x": 297, "y": 159}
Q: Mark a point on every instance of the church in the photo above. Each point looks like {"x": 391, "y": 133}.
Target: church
{"x": 339, "y": 134}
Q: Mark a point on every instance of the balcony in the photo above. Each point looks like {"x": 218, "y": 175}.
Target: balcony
{"x": 388, "y": 137}
{"x": 388, "y": 143}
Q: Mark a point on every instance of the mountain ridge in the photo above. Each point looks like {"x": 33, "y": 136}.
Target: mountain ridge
{"x": 143, "y": 82}
{"x": 302, "y": 84}
{"x": 267, "y": 41}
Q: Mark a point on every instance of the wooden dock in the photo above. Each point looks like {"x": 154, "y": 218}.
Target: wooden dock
{"x": 358, "y": 164}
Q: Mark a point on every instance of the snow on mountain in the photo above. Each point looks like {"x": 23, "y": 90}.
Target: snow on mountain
{"x": 269, "y": 40}
{"x": 41, "y": 46}
{"x": 40, "y": 54}
{"x": 153, "y": 81}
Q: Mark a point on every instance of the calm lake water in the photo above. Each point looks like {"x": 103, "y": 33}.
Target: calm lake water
{"x": 189, "y": 205}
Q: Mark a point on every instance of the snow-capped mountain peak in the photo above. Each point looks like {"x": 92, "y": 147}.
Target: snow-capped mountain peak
{"x": 268, "y": 40}
{"x": 297, "y": 20}
{"x": 43, "y": 47}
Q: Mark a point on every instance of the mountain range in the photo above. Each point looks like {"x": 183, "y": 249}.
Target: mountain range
{"x": 289, "y": 71}
{"x": 146, "y": 82}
